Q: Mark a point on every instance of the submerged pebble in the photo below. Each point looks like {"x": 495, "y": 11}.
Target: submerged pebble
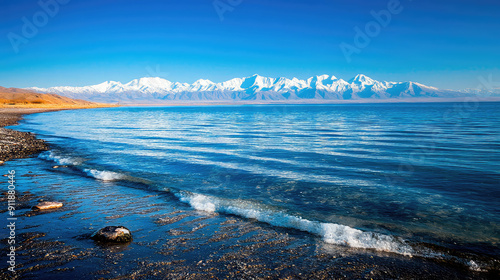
{"x": 46, "y": 205}
{"x": 59, "y": 166}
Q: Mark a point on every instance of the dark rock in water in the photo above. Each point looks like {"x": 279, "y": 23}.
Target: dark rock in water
{"x": 113, "y": 234}
{"x": 46, "y": 205}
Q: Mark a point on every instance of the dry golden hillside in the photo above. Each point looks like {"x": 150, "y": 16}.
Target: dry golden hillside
{"x": 15, "y": 97}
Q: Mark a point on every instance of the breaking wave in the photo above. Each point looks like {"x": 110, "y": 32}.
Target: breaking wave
{"x": 104, "y": 175}
{"x": 61, "y": 160}
{"x": 330, "y": 232}
{"x": 71, "y": 161}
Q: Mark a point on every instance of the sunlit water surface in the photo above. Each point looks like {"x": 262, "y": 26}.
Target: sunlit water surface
{"x": 380, "y": 176}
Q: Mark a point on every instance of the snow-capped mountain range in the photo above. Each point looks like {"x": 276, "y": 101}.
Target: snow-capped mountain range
{"x": 253, "y": 88}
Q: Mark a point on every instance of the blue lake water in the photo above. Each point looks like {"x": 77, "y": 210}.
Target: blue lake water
{"x": 379, "y": 176}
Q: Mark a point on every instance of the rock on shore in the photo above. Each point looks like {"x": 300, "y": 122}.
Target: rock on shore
{"x": 113, "y": 234}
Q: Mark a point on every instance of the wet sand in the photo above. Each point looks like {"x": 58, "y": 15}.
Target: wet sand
{"x": 173, "y": 241}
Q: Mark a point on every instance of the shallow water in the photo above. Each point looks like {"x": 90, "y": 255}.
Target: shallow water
{"x": 171, "y": 240}
{"x": 388, "y": 177}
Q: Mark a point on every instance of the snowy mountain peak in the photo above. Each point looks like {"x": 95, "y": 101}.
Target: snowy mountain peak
{"x": 362, "y": 79}
{"x": 102, "y": 87}
{"x": 203, "y": 82}
{"x": 255, "y": 87}
{"x": 322, "y": 77}
{"x": 202, "y": 85}
{"x": 257, "y": 82}
{"x": 149, "y": 82}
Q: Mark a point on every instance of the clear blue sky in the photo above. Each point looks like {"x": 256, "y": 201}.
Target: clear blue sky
{"x": 446, "y": 43}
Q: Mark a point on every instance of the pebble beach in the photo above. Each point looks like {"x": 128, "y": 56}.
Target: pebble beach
{"x": 16, "y": 144}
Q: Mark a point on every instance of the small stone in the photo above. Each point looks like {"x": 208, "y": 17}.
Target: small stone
{"x": 55, "y": 166}
{"x": 113, "y": 234}
{"x": 2, "y": 162}
{"x": 46, "y": 205}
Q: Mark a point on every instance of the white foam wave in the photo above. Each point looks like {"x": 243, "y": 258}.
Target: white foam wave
{"x": 330, "y": 232}
{"x": 51, "y": 156}
{"x": 62, "y": 160}
{"x": 474, "y": 266}
{"x": 104, "y": 175}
